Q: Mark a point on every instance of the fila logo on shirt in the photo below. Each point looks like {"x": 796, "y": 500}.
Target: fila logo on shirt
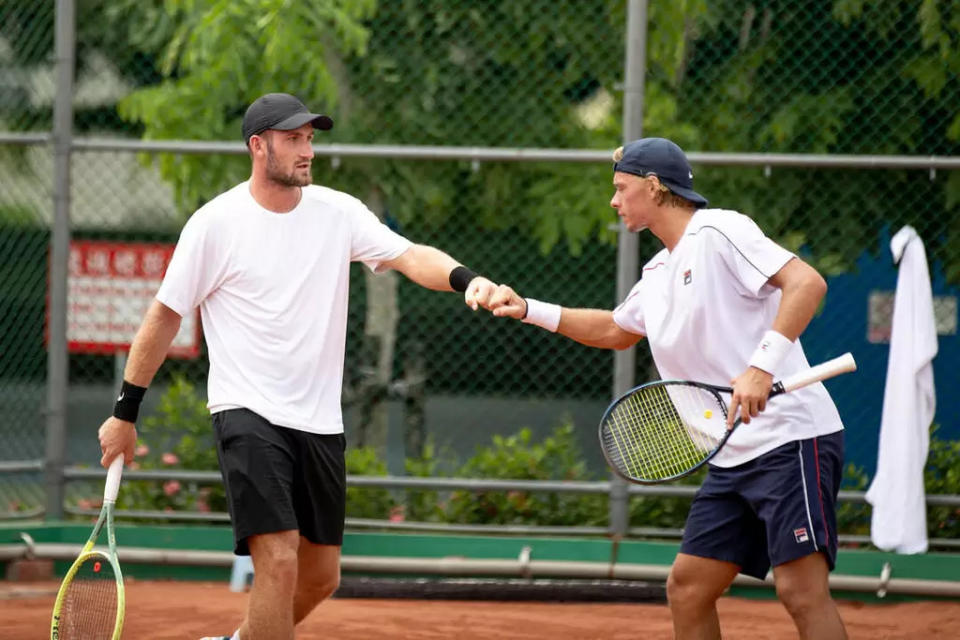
{"x": 801, "y": 534}
{"x": 687, "y": 276}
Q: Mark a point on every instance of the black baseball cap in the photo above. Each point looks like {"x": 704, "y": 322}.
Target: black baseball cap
{"x": 280, "y": 111}
{"x": 665, "y": 159}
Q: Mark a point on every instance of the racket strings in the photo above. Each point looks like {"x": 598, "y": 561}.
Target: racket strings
{"x": 662, "y": 430}
{"x": 668, "y": 451}
{"x": 90, "y": 604}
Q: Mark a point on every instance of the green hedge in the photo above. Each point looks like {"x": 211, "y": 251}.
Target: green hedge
{"x": 179, "y": 436}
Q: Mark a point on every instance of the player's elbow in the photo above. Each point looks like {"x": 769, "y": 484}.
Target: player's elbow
{"x": 799, "y": 278}
{"x": 162, "y": 315}
{"x": 622, "y": 340}
{"x": 815, "y": 285}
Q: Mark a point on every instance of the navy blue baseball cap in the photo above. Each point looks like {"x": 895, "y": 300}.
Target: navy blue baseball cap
{"x": 280, "y": 111}
{"x": 665, "y": 159}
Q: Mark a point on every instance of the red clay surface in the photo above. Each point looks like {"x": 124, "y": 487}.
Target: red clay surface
{"x": 167, "y": 610}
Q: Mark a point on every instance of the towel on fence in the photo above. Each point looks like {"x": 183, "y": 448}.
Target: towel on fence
{"x": 899, "y": 519}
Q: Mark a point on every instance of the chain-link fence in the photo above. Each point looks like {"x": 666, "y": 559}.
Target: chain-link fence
{"x": 797, "y": 77}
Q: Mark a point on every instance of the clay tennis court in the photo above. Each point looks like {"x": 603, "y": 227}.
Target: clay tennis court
{"x": 167, "y": 610}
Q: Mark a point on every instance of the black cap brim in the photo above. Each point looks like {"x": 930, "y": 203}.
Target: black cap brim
{"x": 687, "y": 194}
{"x": 297, "y": 120}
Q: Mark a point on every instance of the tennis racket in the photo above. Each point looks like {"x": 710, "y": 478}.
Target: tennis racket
{"x": 90, "y": 602}
{"x": 668, "y": 429}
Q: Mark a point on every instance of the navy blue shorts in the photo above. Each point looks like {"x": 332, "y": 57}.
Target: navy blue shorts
{"x": 778, "y": 507}
{"x": 279, "y": 479}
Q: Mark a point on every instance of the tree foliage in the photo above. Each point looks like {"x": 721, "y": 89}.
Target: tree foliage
{"x": 848, "y": 76}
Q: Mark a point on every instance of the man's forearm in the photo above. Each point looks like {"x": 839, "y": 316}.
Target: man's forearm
{"x": 150, "y": 346}
{"x": 427, "y": 266}
{"x": 595, "y": 328}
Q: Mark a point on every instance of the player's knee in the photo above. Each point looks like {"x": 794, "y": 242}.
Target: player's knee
{"x": 800, "y": 600}
{"x": 684, "y": 592}
{"x": 279, "y": 566}
{"x": 314, "y": 591}
{"x": 324, "y": 586}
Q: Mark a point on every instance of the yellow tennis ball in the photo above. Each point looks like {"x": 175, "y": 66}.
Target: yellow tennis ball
{"x": 708, "y": 414}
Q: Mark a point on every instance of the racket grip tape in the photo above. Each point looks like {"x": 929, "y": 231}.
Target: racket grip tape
{"x": 113, "y": 480}
{"x": 828, "y": 369}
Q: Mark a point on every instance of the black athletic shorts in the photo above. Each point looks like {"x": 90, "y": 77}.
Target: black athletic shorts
{"x": 773, "y": 509}
{"x": 278, "y": 479}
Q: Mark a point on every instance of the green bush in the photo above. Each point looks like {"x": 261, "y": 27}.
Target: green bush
{"x": 661, "y": 512}
{"x": 178, "y": 436}
{"x": 367, "y": 502}
{"x": 942, "y": 475}
{"x": 421, "y": 505}
{"x": 518, "y": 457}
{"x": 854, "y": 518}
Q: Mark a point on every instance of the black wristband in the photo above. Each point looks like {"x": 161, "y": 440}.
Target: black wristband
{"x": 460, "y": 278}
{"x": 128, "y": 402}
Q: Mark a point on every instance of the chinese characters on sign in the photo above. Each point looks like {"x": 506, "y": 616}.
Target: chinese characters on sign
{"x": 109, "y": 288}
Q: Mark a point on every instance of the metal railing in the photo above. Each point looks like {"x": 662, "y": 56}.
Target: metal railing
{"x": 496, "y": 154}
{"x": 599, "y": 487}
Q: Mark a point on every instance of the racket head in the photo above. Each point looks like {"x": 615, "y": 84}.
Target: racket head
{"x": 90, "y": 603}
{"x": 663, "y": 430}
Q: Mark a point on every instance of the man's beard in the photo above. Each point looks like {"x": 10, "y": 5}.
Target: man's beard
{"x": 285, "y": 178}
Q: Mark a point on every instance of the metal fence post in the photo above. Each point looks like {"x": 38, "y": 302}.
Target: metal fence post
{"x": 57, "y": 364}
{"x": 624, "y": 362}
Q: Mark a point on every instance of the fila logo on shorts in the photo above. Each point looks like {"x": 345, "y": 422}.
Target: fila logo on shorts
{"x": 687, "y": 276}
{"x": 801, "y": 534}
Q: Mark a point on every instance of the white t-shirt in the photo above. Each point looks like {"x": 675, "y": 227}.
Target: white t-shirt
{"x": 272, "y": 289}
{"x": 705, "y": 306}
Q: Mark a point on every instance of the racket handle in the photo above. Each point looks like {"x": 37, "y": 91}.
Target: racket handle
{"x": 113, "y": 480}
{"x": 828, "y": 369}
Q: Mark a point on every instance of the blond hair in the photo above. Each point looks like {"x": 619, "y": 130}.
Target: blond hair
{"x": 665, "y": 197}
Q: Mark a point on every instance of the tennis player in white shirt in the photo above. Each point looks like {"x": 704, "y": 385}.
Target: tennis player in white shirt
{"x": 723, "y": 304}
{"x": 268, "y": 263}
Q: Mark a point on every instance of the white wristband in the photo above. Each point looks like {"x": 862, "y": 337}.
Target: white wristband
{"x": 543, "y": 314}
{"x": 771, "y": 351}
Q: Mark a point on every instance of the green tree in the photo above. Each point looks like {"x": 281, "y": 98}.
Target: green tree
{"x": 469, "y": 73}
{"x": 847, "y": 77}
{"x": 220, "y": 56}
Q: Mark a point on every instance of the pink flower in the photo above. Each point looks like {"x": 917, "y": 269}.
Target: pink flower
{"x": 133, "y": 466}
{"x": 170, "y": 458}
{"x": 141, "y": 450}
{"x": 84, "y": 503}
{"x": 397, "y": 513}
{"x": 203, "y": 506}
{"x": 171, "y": 487}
